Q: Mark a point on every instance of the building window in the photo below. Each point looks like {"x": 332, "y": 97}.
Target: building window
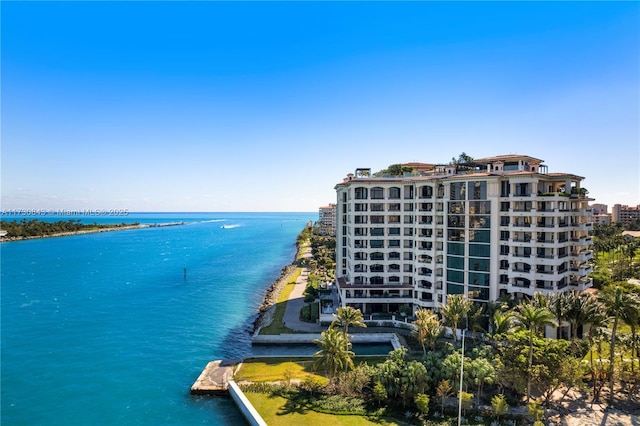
{"x": 504, "y": 189}
{"x": 455, "y": 235}
{"x": 377, "y": 219}
{"x": 377, "y": 193}
{"x": 455, "y": 249}
{"x": 454, "y": 289}
{"x": 480, "y": 293}
{"x": 360, "y": 193}
{"x": 377, "y": 256}
{"x": 478, "y": 190}
{"x": 455, "y": 262}
{"x": 394, "y": 207}
{"x": 477, "y": 221}
{"x": 394, "y": 193}
{"x": 478, "y": 279}
{"x": 480, "y": 236}
{"x": 457, "y": 191}
{"x": 482, "y": 265}
{"x": 480, "y": 207}
{"x": 408, "y": 192}
{"x": 377, "y": 268}
{"x": 456, "y": 207}
{"x": 455, "y": 221}
{"x": 426, "y": 192}
{"x": 377, "y": 243}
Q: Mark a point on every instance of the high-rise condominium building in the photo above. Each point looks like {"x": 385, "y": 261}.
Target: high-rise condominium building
{"x": 625, "y": 214}
{"x": 488, "y": 228}
{"x": 327, "y": 219}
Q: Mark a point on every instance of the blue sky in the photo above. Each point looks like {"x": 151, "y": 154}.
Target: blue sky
{"x": 216, "y": 106}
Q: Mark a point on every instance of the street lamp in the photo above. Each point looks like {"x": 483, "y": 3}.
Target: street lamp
{"x": 469, "y": 294}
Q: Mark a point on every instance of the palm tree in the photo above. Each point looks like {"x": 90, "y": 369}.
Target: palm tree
{"x": 579, "y": 310}
{"x": 348, "y": 316}
{"x": 533, "y": 319}
{"x": 501, "y": 323}
{"x": 457, "y": 307}
{"x": 559, "y": 306}
{"x": 632, "y": 318}
{"x": 618, "y": 304}
{"x": 334, "y": 354}
{"x": 428, "y": 328}
{"x": 597, "y": 321}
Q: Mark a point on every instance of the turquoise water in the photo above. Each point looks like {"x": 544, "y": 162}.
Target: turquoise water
{"x": 105, "y": 329}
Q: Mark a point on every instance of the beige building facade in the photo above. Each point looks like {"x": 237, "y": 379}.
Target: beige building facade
{"x": 497, "y": 227}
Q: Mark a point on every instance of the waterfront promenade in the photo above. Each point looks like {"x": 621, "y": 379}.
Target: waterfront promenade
{"x": 295, "y": 302}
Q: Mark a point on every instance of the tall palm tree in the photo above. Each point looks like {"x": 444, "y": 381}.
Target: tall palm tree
{"x": 597, "y": 321}
{"x": 457, "y": 307}
{"x": 501, "y": 323}
{"x": 579, "y": 311}
{"x": 334, "y": 354}
{"x": 632, "y": 318}
{"x": 618, "y": 304}
{"x": 428, "y": 328}
{"x": 348, "y": 316}
{"x": 533, "y": 319}
{"x": 559, "y": 306}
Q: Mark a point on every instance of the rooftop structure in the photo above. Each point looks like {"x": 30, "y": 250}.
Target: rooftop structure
{"x": 488, "y": 228}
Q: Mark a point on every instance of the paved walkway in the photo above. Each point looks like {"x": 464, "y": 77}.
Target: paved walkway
{"x": 295, "y": 303}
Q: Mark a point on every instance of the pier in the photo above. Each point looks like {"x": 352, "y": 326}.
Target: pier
{"x": 215, "y": 378}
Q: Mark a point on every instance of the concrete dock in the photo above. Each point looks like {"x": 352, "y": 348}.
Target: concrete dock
{"x": 214, "y": 379}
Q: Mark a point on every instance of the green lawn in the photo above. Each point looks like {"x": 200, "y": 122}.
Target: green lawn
{"x": 276, "y": 369}
{"x": 278, "y": 411}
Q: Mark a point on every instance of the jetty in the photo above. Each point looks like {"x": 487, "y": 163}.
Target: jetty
{"x": 215, "y": 378}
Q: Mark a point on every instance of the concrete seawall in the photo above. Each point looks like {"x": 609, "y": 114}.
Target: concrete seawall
{"x": 248, "y": 411}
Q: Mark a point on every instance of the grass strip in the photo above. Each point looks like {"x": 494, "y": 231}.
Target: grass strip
{"x": 276, "y": 326}
{"x": 278, "y": 411}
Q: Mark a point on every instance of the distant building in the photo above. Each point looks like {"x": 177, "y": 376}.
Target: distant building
{"x": 602, "y": 219}
{"x": 492, "y": 227}
{"x": 599, "y": 209}
{"x": 625, "y": 214}
{"x": 327, "y": 220}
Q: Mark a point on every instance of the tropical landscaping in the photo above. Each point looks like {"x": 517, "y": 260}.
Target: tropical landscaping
{"x": 484, "y": 364}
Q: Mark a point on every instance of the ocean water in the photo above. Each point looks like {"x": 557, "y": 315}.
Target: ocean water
{"x": 104, "y": 329}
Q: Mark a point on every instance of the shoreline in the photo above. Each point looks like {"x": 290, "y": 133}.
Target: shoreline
{"x": 264, "y": 314}
{"x": 6, "y": 239}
